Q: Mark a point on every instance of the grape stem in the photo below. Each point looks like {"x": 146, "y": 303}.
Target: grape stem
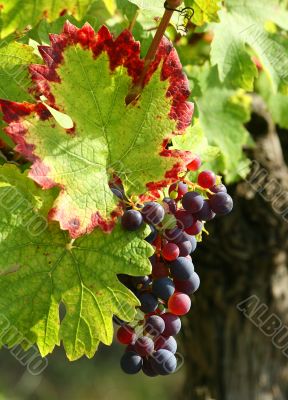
{"x": 133, "y": 21}
{"x": 150, "y": 56}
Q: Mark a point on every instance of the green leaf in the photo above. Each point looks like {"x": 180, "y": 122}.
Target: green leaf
{"x": 14, "y": 77}
{"x": 204, "y": 10}
{"x": 222, "y": 113}
{"x": 42, "y": 269}
{"x": 196, "y": 142}
{"x": 16, "y": 15}
{"x": 243, "y": 24}
{"x": 109, "y": 138}
{"x": 277, "y": 103}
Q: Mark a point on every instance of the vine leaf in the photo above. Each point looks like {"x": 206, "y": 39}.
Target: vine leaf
{"x": 40, "y": 269}
{"x": 242, "y": 24}
{"x": 87, "y": 76}
{"x": 204, "y": 10}
{"x": 14, "y": 76}
{"x": 17, "y": 15}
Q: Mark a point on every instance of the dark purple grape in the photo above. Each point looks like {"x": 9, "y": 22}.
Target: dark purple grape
{"x": 154, "y": 325}
{"x": 189, "y": 286}
{"x": 174, "y": 235}
{"x": 132, "y": 220}
{"x": 169, "y": 205}
{"x": 185, "y": 248}
{"x": 147, "y": 367}
{"x": 192, "y": 240}
{"x": 117, "y": 193}
{"x": 148, "y": 301}
{"x": 172, "y": 324}
{"x": 205, "y": 214}
{"x": 184, "y": 219}
{"x": 164, "y": 362}
{"x": 141, "y": 280}
{"x": 163, "y": 288}
{"x": 131, "y": 363}
{"x": 195, "y": 228}
{"x": 182, "y": 268}
{"x": 144, "y": 346}
{"x": 167, "y": 343}
{"x": 218, "y": 188}
{"x": 221, "y": 203}
{"x": 153, "y": 213}
{"x": 192, "y": 202}
{"x": 152, "y": 236}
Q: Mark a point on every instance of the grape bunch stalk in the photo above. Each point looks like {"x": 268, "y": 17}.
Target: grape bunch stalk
{"x": 176, "y": 223}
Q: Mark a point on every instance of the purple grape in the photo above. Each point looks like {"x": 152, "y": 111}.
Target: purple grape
{"x": 153, "y": 213}
{"x": 154, "y": 325}
{"x": 152, "y": 236}
{"x": 148, "y": 301}
{"x": 182, "y": 268}
{"x": 131, "y": 220}
{"x": 221, "y": 203}
{"x": 184, "y": 219}
{"x": 185, "y": 248}
{"x": 174, "y": 235}
{"x": 163, "y": 288}
{"x": 164, "y": 362}
{"x": 205, "y": 214}
{"x": 131, "y": 363}
{"x": 192, "y": 202}
{"x": 144, "y": 346}
{"x": 167, "y": 343}
{"x": 147, "y": 367}
{"x": 170, "y": 205}
{"x": 172, "y": 324}
{"x": 218, "y": 188}
{"x": 189, "y": 286}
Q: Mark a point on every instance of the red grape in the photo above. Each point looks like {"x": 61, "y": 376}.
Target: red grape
{"x": 195, "y": 164}
{"x": 170, "y": 251}
{"x": 179, "y": 303}
{"x": 126, "y": 334}
{"x": 206, "y": 179}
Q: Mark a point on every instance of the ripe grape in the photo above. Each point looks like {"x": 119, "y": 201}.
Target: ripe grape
{"x": 167, "y": 343}
{"x": 205, "y": 214}
{"x": 132, "y": 220}
{"x": 131, "y": 362}
{"x": 164, "y": 362}
{"x": 189, "y": 286}
{"x": 153, "y": 213}
{"x": 117, "y": 193}
{"x": 163, "y": 288}
{"x": 159, "y": 270}
{"x": 221, "y": 203}
{"x": 154, "y": 325}
{"x": 141, "y": 280}
{"x": 170, "y": 251}
{"x": 218, "y": 188}
{"x": 184, "y": 219}
{"x": 126, "y": 334}
{"x": 185, "y": 248}
{"x": 179, "y": 303}
{"x": 148, "y": 301}
{"x": 192, "y": 240}
{"x": 195, "y": 229}
{"x": 195, "y": 164}
{"x": 144, "y": 346}
{"x": 175, "y": 235}
{"x": 152, "y": 236}
{"x": 192, "y": 202}
{"x": 172, "y": 324}
{"x": 169, "y": 205}
{"x": 147, "y": 367}
{"x": 182, "y": 268}
{"x": 206, "y": 179}
{"x": 180, "y": 188}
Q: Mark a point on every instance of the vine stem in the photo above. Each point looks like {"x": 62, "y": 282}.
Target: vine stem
{"x": 150, "y": 56}
{"x": 133, "y": 21}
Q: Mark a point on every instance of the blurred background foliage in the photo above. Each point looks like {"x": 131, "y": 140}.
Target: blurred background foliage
{"x": 231, "y": 50}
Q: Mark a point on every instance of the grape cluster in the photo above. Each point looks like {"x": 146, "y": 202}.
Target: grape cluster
{"x": 165, "y": 294}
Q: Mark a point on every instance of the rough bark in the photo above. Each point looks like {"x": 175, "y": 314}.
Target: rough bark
{"x": 227, "y": 356}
